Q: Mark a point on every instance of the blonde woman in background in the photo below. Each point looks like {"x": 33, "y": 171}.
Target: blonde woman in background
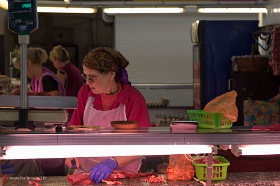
{"x": 68, "y": 73}
{"x": 42, "y": 79}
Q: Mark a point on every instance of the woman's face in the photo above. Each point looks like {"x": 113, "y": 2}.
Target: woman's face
{"x": 56, "y": 64}
{"x": 99, "y": 83}
{"x": 30, "y": 73}
{"x": 29, "y": 70}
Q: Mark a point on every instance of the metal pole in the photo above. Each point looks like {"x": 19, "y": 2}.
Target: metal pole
{"x": 11, "y": 65}
{"x": 23, "y": 112}
{"x": 209, "y": 169}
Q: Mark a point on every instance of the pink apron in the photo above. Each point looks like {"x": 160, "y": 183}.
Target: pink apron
{"x": 93, "y": 117}
{"x": 37, "y": 85}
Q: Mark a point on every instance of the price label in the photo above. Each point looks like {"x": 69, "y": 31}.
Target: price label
{"x": 23, "y": 16}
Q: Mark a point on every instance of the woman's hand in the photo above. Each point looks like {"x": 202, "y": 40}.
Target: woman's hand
{"x": 73, "y": 163}
{"x": 102, "y": 170}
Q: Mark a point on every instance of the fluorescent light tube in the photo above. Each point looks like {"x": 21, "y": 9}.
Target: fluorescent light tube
{"x": 66, "y": 10}
{"x": 67, "y": 2}
{"x": 142, "y": 10}
{"x": 238, "y": 150}
{"x": 232, "y": 10}
{"x": 64, "y": 151}
{"x": 4, "y": 4}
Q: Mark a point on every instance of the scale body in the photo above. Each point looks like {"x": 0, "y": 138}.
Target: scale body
{"x": 22, "y": 20}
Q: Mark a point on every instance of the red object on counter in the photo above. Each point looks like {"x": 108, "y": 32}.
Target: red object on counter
{"x": 79, "y": 178}
{"x": 275, "y": 127}
{"x": 82, "y": 178}
{"x": 34, "y": 183}
{"x": 154, "y": 179}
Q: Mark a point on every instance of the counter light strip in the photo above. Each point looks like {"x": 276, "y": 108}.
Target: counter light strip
{"x": 268, "y": 149}
{"x": 29, "y": 152}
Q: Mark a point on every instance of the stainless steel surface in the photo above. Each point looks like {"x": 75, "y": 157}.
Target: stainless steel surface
{"x": 11, "y": 65}
{"x": 151, "y": 136}
{"x": 143, "y": 136}
{"x": 43, "y": 102}
{"x": 36, "y": 115}
{"x": 209, "y": 169}
{"x": 23, "y": 41}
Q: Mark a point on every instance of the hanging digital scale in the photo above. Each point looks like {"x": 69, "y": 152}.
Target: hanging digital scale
{"x": 23, "y": 19}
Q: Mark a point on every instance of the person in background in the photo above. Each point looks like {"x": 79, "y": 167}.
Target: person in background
{"x": 42, "y": 79}
{"x": 68, "y": 73}
{"x": 46, "y": 81}
{"x": 107, "y": 96}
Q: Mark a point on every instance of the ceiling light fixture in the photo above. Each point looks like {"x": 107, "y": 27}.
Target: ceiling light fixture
{"x": 4, "y": 4}
{"x": 143, "y": 10}
{"x": 68, "y": 2}
{"x": 66, "y": 10}
{"x": 232, "y": 10}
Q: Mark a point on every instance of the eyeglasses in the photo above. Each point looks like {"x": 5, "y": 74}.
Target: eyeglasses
{"x": 90, "y": 79}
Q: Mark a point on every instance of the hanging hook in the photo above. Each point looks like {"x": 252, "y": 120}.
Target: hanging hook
{"x": 264, "y": 36}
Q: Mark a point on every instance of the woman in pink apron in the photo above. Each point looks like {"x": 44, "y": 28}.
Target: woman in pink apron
{"x": 107, "y": 96}
{"x": 42, "y": 79}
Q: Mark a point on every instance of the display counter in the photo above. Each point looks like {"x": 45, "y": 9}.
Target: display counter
{"x": 157, "y": 137}
{"x": 233, "y": 179}
{"x": 144, "y": 136}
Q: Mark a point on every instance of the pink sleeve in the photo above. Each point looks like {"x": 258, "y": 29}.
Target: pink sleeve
{"x": 78, "y": 114}
{"x": 137, "y": 109}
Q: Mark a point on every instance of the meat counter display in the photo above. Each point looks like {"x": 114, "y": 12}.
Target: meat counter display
{"x": 233, "y": 179}
{"x": 145, "y": 141}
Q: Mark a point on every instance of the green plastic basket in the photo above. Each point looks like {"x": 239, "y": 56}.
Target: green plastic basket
{"x": 219, "y": 171}
{"x": 209, "y": 120}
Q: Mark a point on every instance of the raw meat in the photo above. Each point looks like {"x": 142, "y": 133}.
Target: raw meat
{"x": 83, "y": 177}
{"x": 180, "y": 167}
{"x": 154, "y": 179}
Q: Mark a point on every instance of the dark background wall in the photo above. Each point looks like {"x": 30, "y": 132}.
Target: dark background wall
{"x": 2, "y": 51}
{"x": 78, "y": 33}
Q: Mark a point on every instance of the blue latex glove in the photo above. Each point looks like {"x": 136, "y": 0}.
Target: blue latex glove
{"x": 102, "y": 170}
{"x": 7, "y": 168}
{"x": 74, "y": 166}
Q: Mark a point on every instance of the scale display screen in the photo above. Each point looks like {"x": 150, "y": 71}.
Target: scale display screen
{"x": 23, "y": 16}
